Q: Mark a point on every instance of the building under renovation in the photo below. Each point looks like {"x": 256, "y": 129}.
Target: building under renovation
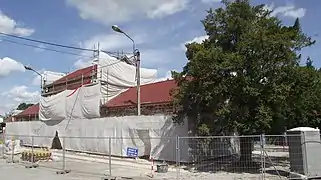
{"x": 100, "y": 101}
{"x": 115, "y": 81}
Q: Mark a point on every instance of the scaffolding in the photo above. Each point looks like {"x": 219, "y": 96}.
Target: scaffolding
{"x": 79, "y": 77}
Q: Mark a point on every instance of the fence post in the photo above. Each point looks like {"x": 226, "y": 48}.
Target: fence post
{"x": 262, "y": 141}
{"x": 285, "y": 142}
{"x": 109, "y": 156}
{"x": 63, "y": 154}
{"x": 32, "y": 163}
{"x": 32, "y": 150}
{"x": 12, "y": 151}
{"x": 13, "y": 142}
{"x": 12, "y": 147}
{"x": 3, "y": 144}
{"x": 64, "y": 171}
{"x": 177, "y": 157}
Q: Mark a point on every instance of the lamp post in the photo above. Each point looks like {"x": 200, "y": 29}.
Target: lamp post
{"x": 137, "y": 58}
{"x": 28, "y": 68}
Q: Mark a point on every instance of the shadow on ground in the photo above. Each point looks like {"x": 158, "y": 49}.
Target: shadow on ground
{"x": 232, "y": 164}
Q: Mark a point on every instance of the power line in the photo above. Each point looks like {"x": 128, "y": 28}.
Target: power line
{"x": 58, "y": 45}
{"x": 48, "y": 43}
{"x": 113, "y": 54}
{"x": 63, "y": 52}
{"x": 43, "y": 48}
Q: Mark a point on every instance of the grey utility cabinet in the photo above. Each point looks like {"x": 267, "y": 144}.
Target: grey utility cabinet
{"x": 304, "y": 150}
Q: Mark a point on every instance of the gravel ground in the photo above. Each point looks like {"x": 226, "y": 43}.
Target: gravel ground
{"x": 17, "y": 171}
{"x": 91, "y": 170}
{"x": 89, "y": 167}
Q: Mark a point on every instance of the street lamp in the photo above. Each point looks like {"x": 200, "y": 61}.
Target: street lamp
{"x": 28, "y": 68}
{"x": 137, "y": 58}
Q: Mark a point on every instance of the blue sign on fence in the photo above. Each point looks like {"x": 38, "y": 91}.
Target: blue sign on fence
{"x": 132, "y": 152}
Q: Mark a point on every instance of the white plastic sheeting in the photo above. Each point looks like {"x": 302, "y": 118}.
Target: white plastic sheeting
{"x": 154, "y": 136}
{"x": 50, "y": 76}
{"x": 12, "y": 147}
{"x": 80, "y": 103}
{"x": 117, "y": 76}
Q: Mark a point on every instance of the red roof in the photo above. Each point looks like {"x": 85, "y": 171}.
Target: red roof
{"x": 154, "y": 93}
{"x": 30, "y": 111}
{"x": 86, "y": 72}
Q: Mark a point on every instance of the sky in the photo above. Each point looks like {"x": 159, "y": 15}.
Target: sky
{"x": 160, "y": 29}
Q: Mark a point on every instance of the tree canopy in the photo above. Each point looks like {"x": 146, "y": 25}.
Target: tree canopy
{"x": 23, "y": 106}
{"x": 246, "y": 76}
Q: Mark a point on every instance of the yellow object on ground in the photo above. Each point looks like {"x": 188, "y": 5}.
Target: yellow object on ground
{"x": 37, "y": 155}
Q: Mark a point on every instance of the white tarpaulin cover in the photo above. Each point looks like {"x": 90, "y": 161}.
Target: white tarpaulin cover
{"x": 119, "y": 76}
{"x": 154, "y": 136}
{"x": 80, "y": 103}
{"x": 115, "y": 77}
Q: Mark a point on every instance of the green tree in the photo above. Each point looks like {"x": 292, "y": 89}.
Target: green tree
{"x": 240, "y": 78}
{"x": 304, "y": 107}
{"x": 23, "y": 106}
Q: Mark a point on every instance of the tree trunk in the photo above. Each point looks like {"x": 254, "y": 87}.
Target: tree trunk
{"x": 246, "y": 148}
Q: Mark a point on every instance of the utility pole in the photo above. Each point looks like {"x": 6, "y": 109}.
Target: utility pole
{"x": 136, "y": 54}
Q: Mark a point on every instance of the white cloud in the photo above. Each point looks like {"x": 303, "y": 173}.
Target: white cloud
{"x": 167, "y": 8}
{"x": 288, "y": 10}
{"x": 198, "y": 39}
{"x": 82, "y": 63}
{"x": 152, "y": 57}
{"x": 21, "y": 94}
{"x": 167, "y": 76}
{"x": 48, "y": 77}
{"x": 10, "y": 26}
{"x": 36, "y": 81}
{"x": 149, "y": 58}
{"x": 210, "y": 1}
{"x": 110, "y": 42}
{"x": 114, "y": 11}
{"x": 296, "y": 13}
{"x": 16, "y": 95}
{"x": 40, "y": 48}
{"x": 6, "y": 108}
{"x": 8, "y": 65}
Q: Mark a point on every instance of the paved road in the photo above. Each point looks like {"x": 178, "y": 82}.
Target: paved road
{"x": 17, "y": 171}
{"x": 80, "y": 171}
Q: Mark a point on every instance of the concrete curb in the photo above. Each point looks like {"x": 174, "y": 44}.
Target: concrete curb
{"x": 114, "y": 161}
{"x": 84, "y": 154}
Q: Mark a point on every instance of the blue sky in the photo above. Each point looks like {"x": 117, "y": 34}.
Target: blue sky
{"x": 159, "y": 27}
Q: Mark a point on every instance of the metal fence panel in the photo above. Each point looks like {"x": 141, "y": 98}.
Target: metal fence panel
{"x": 219, "y": 158}
{"x": 215, "y": 157}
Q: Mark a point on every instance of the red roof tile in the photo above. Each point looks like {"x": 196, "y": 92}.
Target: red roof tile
{"x": 86, "y": 72}
{"x": 30, "y": 111}
{"x": 153, "y": 93}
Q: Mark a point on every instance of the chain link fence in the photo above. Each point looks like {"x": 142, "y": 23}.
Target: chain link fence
{"x": 216, "y": 157}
